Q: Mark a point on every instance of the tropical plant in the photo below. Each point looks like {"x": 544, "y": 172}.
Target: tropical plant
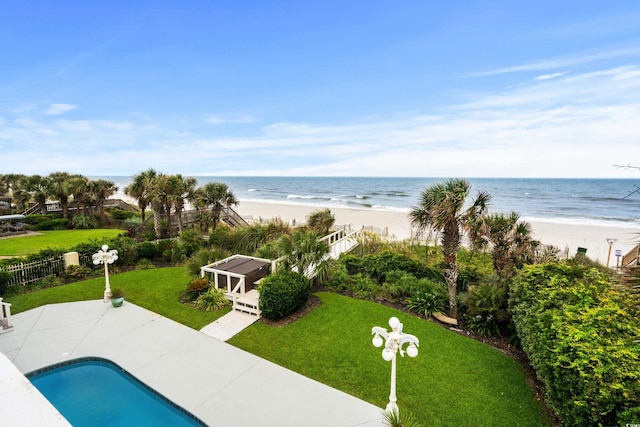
{"x": 180, "y": 188}
{"x": 79, "y": 188}
{"x": 487, "y": 311}
{"x": 305, "y": 253}
{"x": 101, "y": 190}
{"x": 38, "y": 188}
{"x": 393, "y": 419}
{"x": 510, "y": 241}
{"x": 212, "y": 300}
{"x": 429, "y": 298}
{"x": 217, "y": 196}
{"x": 442, "y": 209}
{"x": 60, "y": 189}
{"x": 139, "y": 189}
{"x": 321, "y": 221}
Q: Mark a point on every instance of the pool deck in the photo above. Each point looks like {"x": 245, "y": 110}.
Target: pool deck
{"x": 220, "y": 384}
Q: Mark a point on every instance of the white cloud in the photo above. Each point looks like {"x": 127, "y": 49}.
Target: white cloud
{"x": 57, "y": 109}
{"x": 549, "y": 76}
{"x": 217, "y": 120}
{"x": 577, "y": 125}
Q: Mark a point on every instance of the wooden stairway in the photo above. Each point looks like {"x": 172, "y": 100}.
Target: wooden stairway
{"x": 249, "y": 303}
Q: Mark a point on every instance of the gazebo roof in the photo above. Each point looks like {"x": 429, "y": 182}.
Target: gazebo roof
{"x": 238, "y": 264}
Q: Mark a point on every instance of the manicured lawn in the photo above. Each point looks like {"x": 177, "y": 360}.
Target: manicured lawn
{"x": 157, "y": 290}
{"x": 56, "y": 239}
{"x": 453, "y": 381}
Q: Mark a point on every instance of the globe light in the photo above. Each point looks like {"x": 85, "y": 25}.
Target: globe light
{"x": 412, "y": 350}
{"x": 105, "y": 248}
{"x": 394, "y": 322}
{"x": 387, "y": 354}
{"x": 377, "y": 341}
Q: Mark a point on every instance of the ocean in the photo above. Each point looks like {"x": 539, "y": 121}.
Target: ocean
{"x": 603, "y": 202}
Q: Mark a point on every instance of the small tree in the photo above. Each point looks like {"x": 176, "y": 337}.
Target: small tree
{"x": 321, "y": 221}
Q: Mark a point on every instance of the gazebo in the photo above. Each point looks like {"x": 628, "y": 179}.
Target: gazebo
{"x": 238, "y": 275}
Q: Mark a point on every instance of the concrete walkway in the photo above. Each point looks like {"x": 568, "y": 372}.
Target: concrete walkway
{"x": 219, "y": 383}
{"x": 229, "y": 325}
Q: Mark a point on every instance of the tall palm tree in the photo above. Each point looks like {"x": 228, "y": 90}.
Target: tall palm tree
{"x": 217, "y": 195}
{"x": 80, "y": 191}
{"x": 442, "y": 209}
{"x": 158, "y": 197}
{"x": 38, "y": 187}
{"x": 139, "y": 189}
{"x": 181, "y": 189}
{"x": 59, "y": 188}
{"x": 101, "y": 190}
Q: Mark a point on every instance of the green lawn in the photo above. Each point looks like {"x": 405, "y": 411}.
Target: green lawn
{"x": 57, "y": 239}
{"x": 454, "y": 380}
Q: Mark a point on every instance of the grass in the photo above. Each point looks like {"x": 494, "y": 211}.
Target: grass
{"x": 56, "y": 239}
{"x": 157, "y": 290}
{"x": 453, "y": 381}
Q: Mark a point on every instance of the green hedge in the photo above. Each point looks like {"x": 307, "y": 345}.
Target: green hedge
{"x": 377, "y": 266}
{"x": 283, "y": 293}
{"x": 582, "y": 342}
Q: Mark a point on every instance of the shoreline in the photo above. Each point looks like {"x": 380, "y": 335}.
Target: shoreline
{"x": 564, "y": 236}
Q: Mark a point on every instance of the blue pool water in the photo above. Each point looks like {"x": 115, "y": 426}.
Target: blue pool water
{"x": 97, "y": 392}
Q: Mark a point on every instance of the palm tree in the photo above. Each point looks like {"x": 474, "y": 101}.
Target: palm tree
{"x": 101, "y": 190}
{"x": 79, "y": 187}
{"x": 511, "y": 242}
{"x": 321, "y": 221}
{"x": 59, "y": 188}
{"x": 180, "y": 189}
{"x": 158, "y": 196}
{"x": 38, "y": 187}
{"x": 442, "y": 210}
{"x": 303, "y": 251}
{"x": 139, "y": 189}
{"x": 218, "y": 196}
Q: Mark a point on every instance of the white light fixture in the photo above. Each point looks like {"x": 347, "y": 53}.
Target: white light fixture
{"x": 394, "y": 341}
{"x": 106, "y": 257}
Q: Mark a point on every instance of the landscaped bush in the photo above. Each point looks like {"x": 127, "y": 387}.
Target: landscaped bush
{"x": 486, "y": 308}
{"x": 122, "y": 215}
{"x": 283, "y": 293}
{"x": 582, "y": 341}
{"x": 377, "y": 266}
{"x": 144, "y": 264}
{"x": 147, "y": 250}
{"x": 77, "y": 272}
{"x": 430, "y": 297}
{"x": 54, "y": 224}
{"x": 5, "y": 278}
{"x": 212, "y": 300}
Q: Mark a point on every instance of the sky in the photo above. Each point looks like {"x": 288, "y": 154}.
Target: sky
{"x": 321, "y": 88}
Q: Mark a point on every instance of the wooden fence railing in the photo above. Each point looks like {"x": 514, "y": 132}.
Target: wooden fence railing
{"x": 34, "y": 271}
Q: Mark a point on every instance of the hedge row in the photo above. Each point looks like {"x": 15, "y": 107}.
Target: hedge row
{"x": 582, "y": 342}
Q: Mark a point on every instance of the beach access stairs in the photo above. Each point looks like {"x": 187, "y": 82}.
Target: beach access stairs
{"x": 629, "y": 269}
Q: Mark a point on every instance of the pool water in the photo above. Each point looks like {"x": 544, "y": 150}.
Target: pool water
{"x": 97, "y": 392}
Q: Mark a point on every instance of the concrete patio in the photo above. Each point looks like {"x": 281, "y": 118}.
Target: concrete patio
{"x": 220, "y": 384}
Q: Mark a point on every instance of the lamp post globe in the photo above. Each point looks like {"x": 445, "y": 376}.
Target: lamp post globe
{"x": 393, "y": 343}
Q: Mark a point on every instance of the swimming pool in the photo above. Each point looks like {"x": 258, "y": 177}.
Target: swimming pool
{"x": 97, "y": 392}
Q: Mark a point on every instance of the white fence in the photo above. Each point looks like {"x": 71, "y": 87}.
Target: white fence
{"x": 30, "y": 272}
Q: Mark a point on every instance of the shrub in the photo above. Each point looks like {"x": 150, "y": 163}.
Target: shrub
{"x": 50, "y": 281}
{"x": 54, "y": 224}
{"x": 204, "y": 257}
{"x": 431, "y": 297}
{"x": 581, "y": 341}
{"x": 212, "y": 300}
{"x": 283, "y": 293}
{"x": 82, "y": 221}
{"x": 144, "y": 264}
{"x": 487, "y": 310}
{"x": 147, "y": 250}
{"x": 5, "y": 278}
{"x": 77, "y": 272}
{"x": 121, "y": 215}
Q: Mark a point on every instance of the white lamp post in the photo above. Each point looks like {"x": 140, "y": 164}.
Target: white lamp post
{"x": 106, "y": 257}
{"x": 394, "y": 341}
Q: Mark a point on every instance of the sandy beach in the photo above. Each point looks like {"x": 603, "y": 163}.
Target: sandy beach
{"x": 571, "y": 236}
